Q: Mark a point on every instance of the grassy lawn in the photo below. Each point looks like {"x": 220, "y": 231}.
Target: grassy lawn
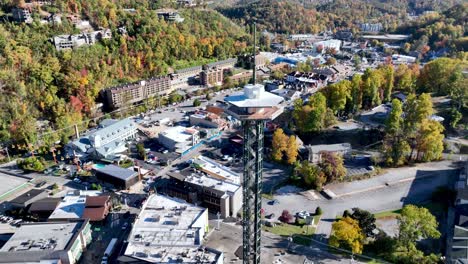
{"x": 392, "y": 213}
{"x": 301, "y": 233}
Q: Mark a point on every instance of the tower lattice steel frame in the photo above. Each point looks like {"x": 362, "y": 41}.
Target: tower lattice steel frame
{"x": 252, "y": 187}
{"x": 253, "y": 108}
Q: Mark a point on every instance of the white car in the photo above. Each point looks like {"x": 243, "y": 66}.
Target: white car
{"x": 303, "y": 214}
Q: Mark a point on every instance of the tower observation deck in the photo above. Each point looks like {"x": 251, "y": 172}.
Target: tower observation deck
{"x": 253, "y": 107}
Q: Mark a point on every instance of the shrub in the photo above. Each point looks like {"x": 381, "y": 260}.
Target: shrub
{"x": 318, "y": 211}
{"x": 286, "y": 217}
{"x": 346, "y": 213}
{"x": 31, "y": 164}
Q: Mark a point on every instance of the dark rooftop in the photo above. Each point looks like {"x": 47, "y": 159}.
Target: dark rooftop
{"x": 25, "y": 197}
{"x": 46, "y": 204}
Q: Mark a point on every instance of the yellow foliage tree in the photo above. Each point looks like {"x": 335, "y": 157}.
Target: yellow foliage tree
{"x": 347, "y": 234}
{"x": 292, "y": 150}
{"x": 279, "y": 144}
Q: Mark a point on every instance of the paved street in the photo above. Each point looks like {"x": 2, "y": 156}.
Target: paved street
{"x": 274, "y": 248}
{"x": 403, "y": 189}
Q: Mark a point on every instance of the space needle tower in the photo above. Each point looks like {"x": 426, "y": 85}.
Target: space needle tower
{"x": 253, "y": 107}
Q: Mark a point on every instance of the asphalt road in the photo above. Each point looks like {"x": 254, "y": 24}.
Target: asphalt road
{"x": 393, "y": 196}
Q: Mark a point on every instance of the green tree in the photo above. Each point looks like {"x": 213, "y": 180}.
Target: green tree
{"x": 196, "y": 103}
{"x": 394, "y": 122}
{"x": 356, "y": 93}
{"x": 141, "y": 151}
{"x": 310, "y": 117}
{"x": 455, "y": 117}
{"x": 435, "y": 76}
{"x": 389, "y": 76}
{"x": 337, "y": 95}
{"x": 416, "y": 223}
{"x": 459, "y": 89}
{"x": 347, "y": 234}
{"x": 366, "y": 221}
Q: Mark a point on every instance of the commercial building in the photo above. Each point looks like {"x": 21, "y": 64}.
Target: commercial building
{"x": 223, "y": 64}
{"x": 55, "y": 242}
{"x": 62, "y": 42}
{"x": 457, "y": 246}
{"x": 28, "y": 198}
{"x": 82, "y": 205}
{"x": 136, "y": 92}
{"x": 207, "y": 120}
{"x": 387, "y": 37}
{"x": 119, "y": 177}
{"x": 219, "y": 196}
{"x": 22, "y": 15}
{"x": 211, "y": 76}
{"x": 169, "y": 230}
{"x": 105, "y": 142}
{"x": 324, "y": 46}
{"x": 179, "y": 139}
{"x": 316, "y": 151}
{"x": 43, "y": 208}
{"x": 402, "y": 59}
{"x": 368, "y": 27}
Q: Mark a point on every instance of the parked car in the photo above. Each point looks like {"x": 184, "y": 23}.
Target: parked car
{"x": 77, "y": 180}
{"x": 303, "y": 214}
{"x": 273, "y": 202}
{"x": 270, "y": 216}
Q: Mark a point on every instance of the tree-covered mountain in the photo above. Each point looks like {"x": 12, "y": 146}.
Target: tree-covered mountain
{"x": 439, "y": 31}
{"x": 38, "y": 82}
{"x": 302, "y": 16}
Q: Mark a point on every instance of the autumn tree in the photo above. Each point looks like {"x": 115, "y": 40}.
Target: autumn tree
{"x": 332, "y": 166}
{"x": 279, "y": 145}
{"x": 310, "y": 174}
{"x": 430, "y": 143}
{"x": 291, "y": 150}
{"x": 347, "y": 234}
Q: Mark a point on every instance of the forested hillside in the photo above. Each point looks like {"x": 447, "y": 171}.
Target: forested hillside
{"x": 38, "y": 82}
{"x": 292, "y": 17}
{"x": 437, "y": 31}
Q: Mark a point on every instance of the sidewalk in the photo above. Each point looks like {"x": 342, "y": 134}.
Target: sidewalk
{"x": 393, "y": 176}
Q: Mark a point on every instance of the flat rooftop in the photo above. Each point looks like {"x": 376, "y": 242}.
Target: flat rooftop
{"x": 72, "y": 205}
{"x": 216, "y": 170}
{"x": 41, "y": 237}
{"x": 166, "y": 230}
{"x": 330, "y": 147}
{"x": 213, "y": 183}
{"x": 179, "y": 133}
{"x": 115, "y": 171}
{"x": 254, "y": 96}
{"x": 25, "y": 197}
